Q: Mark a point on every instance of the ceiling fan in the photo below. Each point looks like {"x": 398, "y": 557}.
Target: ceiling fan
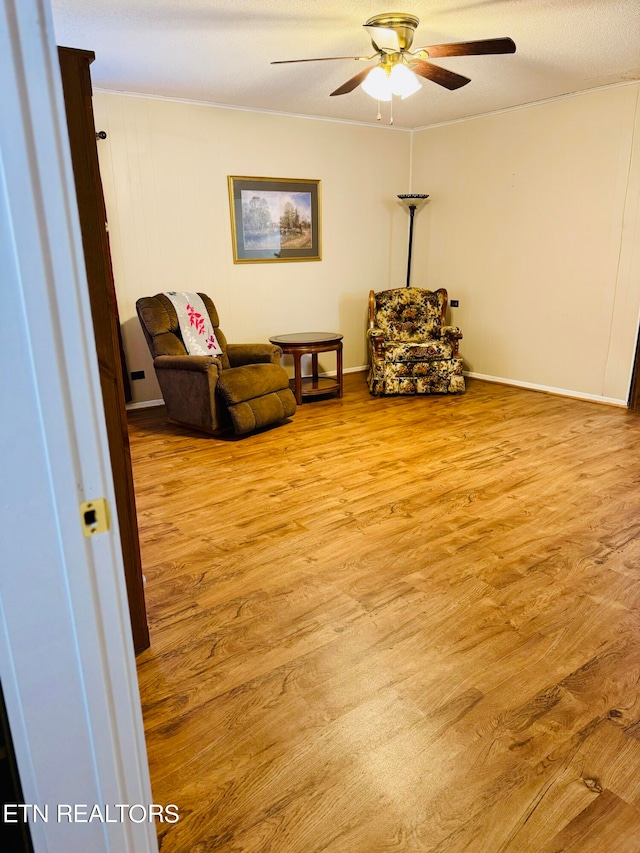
{"x": 394, "y": 74}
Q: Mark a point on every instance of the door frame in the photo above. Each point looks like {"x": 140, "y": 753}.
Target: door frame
{"x": 67, "y": 663}
{"x": 633, "y": 401}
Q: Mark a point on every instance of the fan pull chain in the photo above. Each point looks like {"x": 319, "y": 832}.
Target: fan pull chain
{"x": 379, "y": 116}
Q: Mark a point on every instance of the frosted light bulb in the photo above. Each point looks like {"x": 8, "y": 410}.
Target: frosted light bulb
{"x": 403, "y": 81}
{"x": 377, "y": 84}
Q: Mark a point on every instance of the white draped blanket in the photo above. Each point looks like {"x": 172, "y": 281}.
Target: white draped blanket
{"x": 195, "y": 326}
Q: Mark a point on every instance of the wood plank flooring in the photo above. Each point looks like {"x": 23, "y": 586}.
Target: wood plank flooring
{"x": 395, "y": 626}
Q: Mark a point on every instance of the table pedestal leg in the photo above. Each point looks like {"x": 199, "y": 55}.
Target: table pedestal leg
{"x": 297, "y": 372}
{"x": 339, "y": 368}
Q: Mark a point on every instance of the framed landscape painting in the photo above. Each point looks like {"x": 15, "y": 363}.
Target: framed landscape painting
{"x": 274, "y": 219}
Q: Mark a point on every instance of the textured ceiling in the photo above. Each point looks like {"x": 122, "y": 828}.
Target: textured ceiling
{"x": 219, "y": 51}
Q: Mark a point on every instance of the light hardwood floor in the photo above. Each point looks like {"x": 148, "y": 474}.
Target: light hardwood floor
{"x": 402, "y": 624}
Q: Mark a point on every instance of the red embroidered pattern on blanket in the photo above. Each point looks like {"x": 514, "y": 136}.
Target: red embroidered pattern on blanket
{"x": 196, "y": 320}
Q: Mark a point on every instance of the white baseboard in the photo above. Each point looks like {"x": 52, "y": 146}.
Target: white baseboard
{"x": 144, "y": 404}
{"x": 560, "y": 392}
{"x": 516, "y": 383}
{"x": 346, "y": 370}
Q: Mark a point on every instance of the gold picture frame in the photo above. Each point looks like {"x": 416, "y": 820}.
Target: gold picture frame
{"x": 274, "y": 219}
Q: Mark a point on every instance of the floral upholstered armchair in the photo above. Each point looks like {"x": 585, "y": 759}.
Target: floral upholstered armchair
{"x": 411, "y": 349}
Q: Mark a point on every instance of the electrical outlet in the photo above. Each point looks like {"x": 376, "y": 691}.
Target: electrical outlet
{"x": 137, "y": 374}
{"x": 454, "y": 303}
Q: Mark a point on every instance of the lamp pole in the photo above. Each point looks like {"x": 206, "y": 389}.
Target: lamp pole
{"x": 413, "y": 201}
{"x": 412, "y": 211}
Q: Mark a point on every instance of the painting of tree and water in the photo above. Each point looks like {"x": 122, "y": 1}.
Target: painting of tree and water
{"x": 276, "y": 220}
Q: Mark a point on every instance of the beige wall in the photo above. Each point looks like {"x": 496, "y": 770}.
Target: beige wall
{"x": 164, "y": 166}
{"x": 534, "y": 226}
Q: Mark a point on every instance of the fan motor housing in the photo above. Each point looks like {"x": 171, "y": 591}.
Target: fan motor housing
{"x": 404, "y": 25}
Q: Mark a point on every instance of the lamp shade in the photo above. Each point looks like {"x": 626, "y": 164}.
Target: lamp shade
{"x": 403, "y": 81}
{"x": 414, "y": 200}
{"x": 377, "y": 84}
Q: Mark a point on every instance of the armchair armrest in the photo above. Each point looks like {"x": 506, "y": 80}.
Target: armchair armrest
{"x": 193, "y": 363}
{"x": 376, "y": 339}
{"x": 452, "y": 334}
{"x": 188, "y": 384}
{"x": 241, "y": 354}
{"x": 372, "y": 308}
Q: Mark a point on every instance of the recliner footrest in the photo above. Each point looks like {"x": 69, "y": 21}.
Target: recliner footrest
{"x": 262, "y": 411}
{"x": 239, "y": 384}
{"x": 257, "y": 395}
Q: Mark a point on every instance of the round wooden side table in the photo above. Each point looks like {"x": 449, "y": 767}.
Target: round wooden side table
{"x": 312, "y": 343}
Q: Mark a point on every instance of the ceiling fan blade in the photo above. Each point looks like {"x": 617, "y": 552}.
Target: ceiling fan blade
{"x": 442, "y": 76}
{"x": 470, "y": 48}
{"x": 319, "y": 59}
{"x": 351, "y": 84}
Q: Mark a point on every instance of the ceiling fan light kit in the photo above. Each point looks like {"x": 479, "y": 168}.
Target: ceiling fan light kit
{"x": 398, "y": 67}
{"x": 383, "y": 82}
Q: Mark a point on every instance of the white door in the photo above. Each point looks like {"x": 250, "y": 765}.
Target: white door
{"x": 66, "y": 657}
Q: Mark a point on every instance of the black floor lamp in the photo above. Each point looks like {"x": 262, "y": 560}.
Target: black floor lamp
{"x": 413, "y": 201}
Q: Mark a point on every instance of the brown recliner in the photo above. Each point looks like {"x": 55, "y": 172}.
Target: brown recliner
{"x": 245, "y": 388}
